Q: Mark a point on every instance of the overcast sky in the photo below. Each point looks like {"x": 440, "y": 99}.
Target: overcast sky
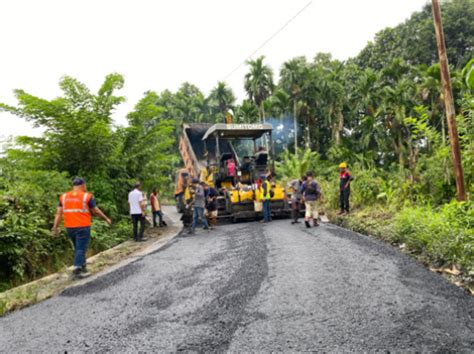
{"x": 158, "y": 45}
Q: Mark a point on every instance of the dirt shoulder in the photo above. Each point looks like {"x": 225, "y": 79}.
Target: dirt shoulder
{"x": 99, "y": 264}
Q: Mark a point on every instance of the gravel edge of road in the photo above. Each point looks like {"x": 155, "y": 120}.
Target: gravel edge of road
{"x": 100, "y": 264}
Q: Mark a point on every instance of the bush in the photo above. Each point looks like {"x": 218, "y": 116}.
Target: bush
{"x": 104, "y": 236}
{"x": 27, "y": 206}
{"x": 446, "y": 234}
{"x": 28, "y": 203}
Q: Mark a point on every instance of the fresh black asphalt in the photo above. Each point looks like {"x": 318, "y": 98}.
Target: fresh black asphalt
{"x": 255, "y": 287}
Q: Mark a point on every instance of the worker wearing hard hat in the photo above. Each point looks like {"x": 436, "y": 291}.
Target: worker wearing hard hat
{"x": 345, "y": 179}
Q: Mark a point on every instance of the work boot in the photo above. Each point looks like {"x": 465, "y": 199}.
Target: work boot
{"x": 76, "y": 272}
{"x": 315, "y": 222}
{"x": 84, "y": 272}
{"x": 308, "y": 225}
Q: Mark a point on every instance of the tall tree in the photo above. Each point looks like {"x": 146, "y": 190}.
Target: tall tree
{"x": 292, "y": 79}
{"x": 78, "y": 134}
{"x": 259, "y": 83}
{"x": 246, "y": 112}
{"x": 281, "y": 103}
{"x": 415, "y": 42}
{"x": 221, "y": 99}
{"x": 148, "y": 140}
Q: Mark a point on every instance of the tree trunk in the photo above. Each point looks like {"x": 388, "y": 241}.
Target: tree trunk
{"x": 443, "y": 130}
{"x": 340, "y": 125}
{"x": 401, "y": 160}
{"x": 411, "y": 159}
{"x": 295, "y": 121}
{"x": 308, "y": 133}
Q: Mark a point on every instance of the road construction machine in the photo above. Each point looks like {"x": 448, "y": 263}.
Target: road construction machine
{"x": 232, "y": 158}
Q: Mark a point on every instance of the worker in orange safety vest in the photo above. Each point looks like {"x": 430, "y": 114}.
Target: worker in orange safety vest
{"x": 77, "y": 207}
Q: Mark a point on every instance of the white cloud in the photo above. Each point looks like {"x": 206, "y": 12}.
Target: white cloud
{"x": 158, "y": 45}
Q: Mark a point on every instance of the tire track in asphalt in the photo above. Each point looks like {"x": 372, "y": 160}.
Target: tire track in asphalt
{"x": 221, "y": 317}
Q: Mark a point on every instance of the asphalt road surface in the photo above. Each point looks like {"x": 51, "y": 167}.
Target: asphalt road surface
{"x": 255, "y": 287}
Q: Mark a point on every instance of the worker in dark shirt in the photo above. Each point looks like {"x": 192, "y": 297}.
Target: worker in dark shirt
{"x": 211, "y": 205}
{"x": 311, "y": 193}
{"x": 345, "y": 179}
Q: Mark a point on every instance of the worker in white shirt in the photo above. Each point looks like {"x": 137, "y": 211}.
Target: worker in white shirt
{"x": 137, "y": 212}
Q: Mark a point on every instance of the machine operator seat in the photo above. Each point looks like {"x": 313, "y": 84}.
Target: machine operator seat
{"x": 261, "y": 158}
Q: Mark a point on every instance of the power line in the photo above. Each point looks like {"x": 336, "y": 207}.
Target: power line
{"x": 269, "y": 38}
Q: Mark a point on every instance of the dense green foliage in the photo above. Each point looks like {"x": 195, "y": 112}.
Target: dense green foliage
{"x": 445, "y": 234}
{"x": 414, "y": 40}
{"x": 79, "y": 139}
{"x": 382, "y": 112}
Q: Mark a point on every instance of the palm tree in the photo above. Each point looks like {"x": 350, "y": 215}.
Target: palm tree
{"x": 259, "y": 83}
{"x": 281, "y": 103}
{"x": 292, "y": 79}
{"x": 222, "y": 99}
{"x": 430, "y": 90}
{"x": 246, "y": 112}
{"x": 396, "y": 102}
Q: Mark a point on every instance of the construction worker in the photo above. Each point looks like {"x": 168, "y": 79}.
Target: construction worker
{"x": 77, "y": 207}
{"x": 296, "y": 198}
{"x": 187, "y": 217}
{"x": 206, "y": 175}
{"x": 199, "y": 203}
{"x": 266, "y": 197}
{"x": 156, "y": 207}
{"x": 311, "y": 192}
{"x": 180, "y": 188}
{"x": 345, "y": 179}
{"x": 137, "y": 203}
{"x": 261, "y": 152}
{"x": 231, "y": 167}
{"x": 211, "y": 205}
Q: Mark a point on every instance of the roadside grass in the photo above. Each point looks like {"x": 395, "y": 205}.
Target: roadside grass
{"x": 44, "y": 288}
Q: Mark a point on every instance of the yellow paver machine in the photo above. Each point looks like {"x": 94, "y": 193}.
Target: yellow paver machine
{"x": 232, "y": 158}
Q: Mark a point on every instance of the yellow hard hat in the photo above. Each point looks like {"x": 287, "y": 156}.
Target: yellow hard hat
{"x": 342, "y": 165}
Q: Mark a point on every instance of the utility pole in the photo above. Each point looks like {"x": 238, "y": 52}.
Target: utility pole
{"x": 448, "y": 102}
